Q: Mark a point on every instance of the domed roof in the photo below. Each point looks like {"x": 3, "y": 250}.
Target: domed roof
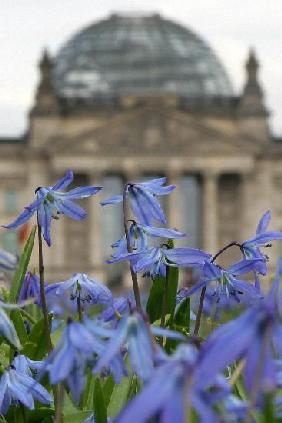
{"x": 141, "y": 55}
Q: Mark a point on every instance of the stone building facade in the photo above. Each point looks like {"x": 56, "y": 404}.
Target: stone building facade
{"x": 129, "y": 98}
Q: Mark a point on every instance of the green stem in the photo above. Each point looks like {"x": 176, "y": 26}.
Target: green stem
{"x": 42, "y": 289}
{"x": 135, "y": 285}
{"x": 165, "y": 298}
{"x": 199, "y": 312}
{"x": 59, "y": 418}
{"x": 44, "y": 305}
{"x": 79, "y": 310}
{"x": 203, "y": 292}
{"x": 25, "y": 417}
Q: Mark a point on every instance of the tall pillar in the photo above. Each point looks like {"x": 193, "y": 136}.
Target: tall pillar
{"x": 95, "y": 229}
{"x": 210, "y": 207}
{"x": 37, "y": 176}
{"x": 174, "y": 200}
{"x": 58, "y": 257}
{"x": 248, "y": 200}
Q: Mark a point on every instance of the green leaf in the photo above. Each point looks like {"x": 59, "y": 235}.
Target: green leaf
{"x": 86, "y": 400}
{"x": 22, "y": 267}
{"x": 37, "y": 346}
{"x": 119, "y": 397}
{"x": 182, "y": 314}
{"x": 19, "y": 325}
{"x": 268, "y": 411}
{"x": 69, "y": 407}
{"x": 134, "y": 387}
{"x": 154, "y": 304}
{"x": 41, "y": 414}
{"x": 99, "y": 407}
{"x": 77, "y": 417}
{"x": 4, "y": 355}
{"x": 108, "y": 388}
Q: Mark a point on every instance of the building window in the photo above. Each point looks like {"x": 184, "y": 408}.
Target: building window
{"x": 10, "y": 242}
{"x": 191, "y": 194}
{"x": 11, "y": 201}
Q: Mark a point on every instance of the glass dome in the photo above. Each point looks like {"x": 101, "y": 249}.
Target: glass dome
{"x": 139, "y": 55}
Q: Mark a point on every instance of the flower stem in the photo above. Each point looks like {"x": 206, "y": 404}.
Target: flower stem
{"x": 45, "y": 310}
{"x": 231, "y": 244}
{"x": 135, "y": 285}
{"x": 42, "y": 288}
{"x": 60, "y": 404}
{"x": 25, "y": 417}
{"x": 203, "y": 292}
{"x": 165, "y": 298}
{"x": 199, "y": 312}
{"x": 79, "y": 311}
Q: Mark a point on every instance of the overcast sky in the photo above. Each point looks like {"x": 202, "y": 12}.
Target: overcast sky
{"x": 230, "y": 27}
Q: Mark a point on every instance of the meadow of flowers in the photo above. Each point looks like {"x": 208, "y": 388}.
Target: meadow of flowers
{"x": 73, "y": 352}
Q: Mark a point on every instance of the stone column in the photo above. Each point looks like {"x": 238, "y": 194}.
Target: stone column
{"x": 248, "y": 199}
{"x": 37, "y": 176}
{"x": 174, "y": 201}
{"x": 58, "y": 242}
{"x": 95, "y": 229}
{"x": 210, "y": 208}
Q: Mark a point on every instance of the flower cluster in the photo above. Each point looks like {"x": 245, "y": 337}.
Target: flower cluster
{"x": 208, "y": 353}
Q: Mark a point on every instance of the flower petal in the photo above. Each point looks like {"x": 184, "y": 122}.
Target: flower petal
{"x": 64, "y": 181}
{"x": 71, "y": 209}
{"x": 79, "y": 192}
{"x": 112, "y": 200}
{"x": 264, "y": 222}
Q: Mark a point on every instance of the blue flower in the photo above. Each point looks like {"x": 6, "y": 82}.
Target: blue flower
{"x": 118, "y": 308}
{"x": 51, "y": 201}
{"x": 8, "y": 262}
{"x": 18, "y": 385}
{"x": 226, "y": 286}
{"x": 134, "y": 332}
{"x": 67, "y": 362}
{"x": 178, "y": 382}
{"x": 256, "y": 336}
{"x": 143, "y": 200}
{"x": 138, "y": 234}
{"x": 7, "y": 328}
{"x": 64, "y": 296}
{"x": 263, "y": 238}
{"x": 154, "y": 260}
{"x": 137, "y": 239}
{"x": 30, "y": 288}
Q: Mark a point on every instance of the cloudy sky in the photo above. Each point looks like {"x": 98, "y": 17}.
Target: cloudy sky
{"x": 26, "y": 26}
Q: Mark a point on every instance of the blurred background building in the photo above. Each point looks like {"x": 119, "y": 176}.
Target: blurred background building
{"x": 134, "y": 97}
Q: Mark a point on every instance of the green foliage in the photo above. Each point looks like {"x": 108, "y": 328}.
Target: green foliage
{"x": 182, "y": 315}
{"x": 18, "y": 321}
{"x": 36, "y": 346}
{"x": 119, "y": 396}
{"x": 154, "y": 304}
{"x": 22, "y": 268}
{"x": 99, "y": 405}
